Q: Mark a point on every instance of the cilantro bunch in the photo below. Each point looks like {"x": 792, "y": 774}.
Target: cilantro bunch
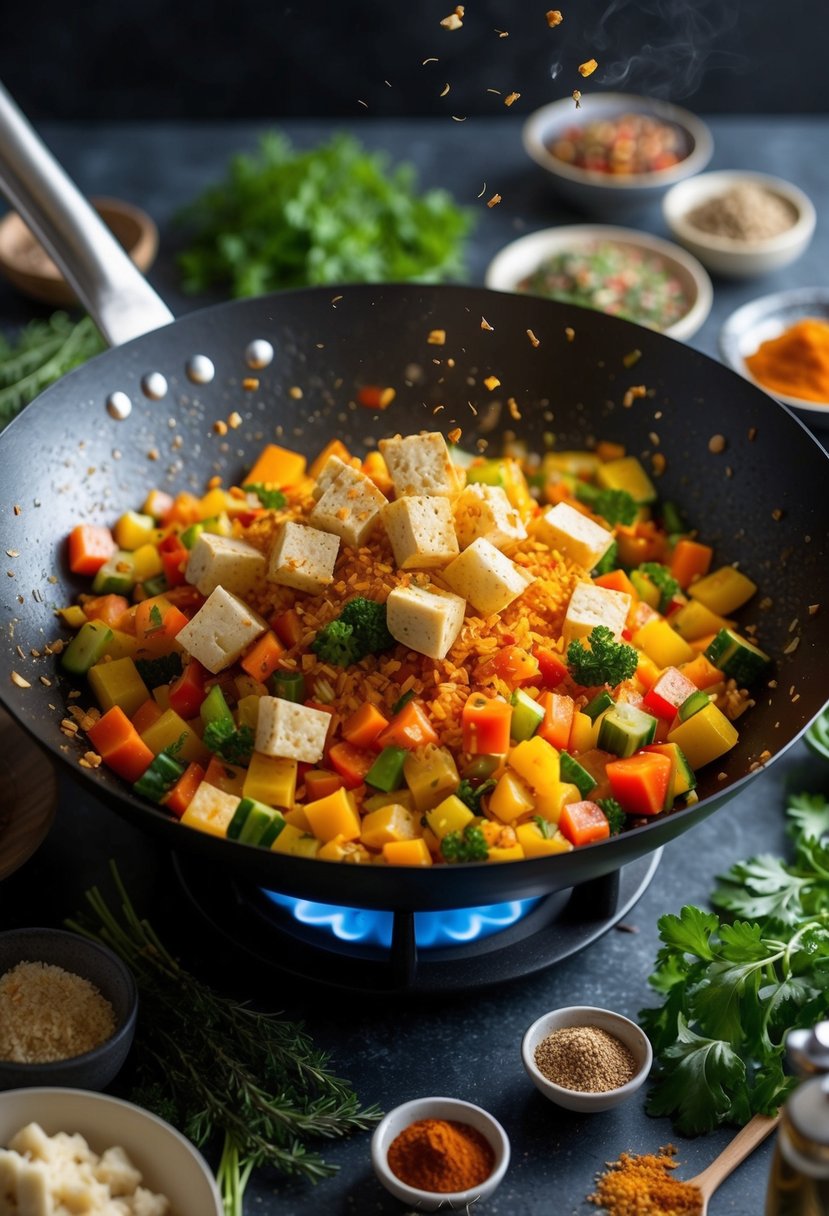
{"x": 734, "y": 984}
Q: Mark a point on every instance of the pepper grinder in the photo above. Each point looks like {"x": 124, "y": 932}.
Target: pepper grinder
{"x": 799, "y": 1180}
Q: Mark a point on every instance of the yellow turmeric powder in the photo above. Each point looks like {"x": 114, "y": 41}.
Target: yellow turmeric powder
{"x": 641, "y": 1185}
{"x": 796, "y": 363}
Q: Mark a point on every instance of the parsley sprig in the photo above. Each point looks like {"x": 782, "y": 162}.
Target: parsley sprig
{"x": 602, "y": 661}
{"x": 271, "y": 499}
{"x": 231, "y": 743}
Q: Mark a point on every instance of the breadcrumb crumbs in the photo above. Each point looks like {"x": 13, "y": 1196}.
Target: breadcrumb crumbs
{"x": 47, "y": 1013}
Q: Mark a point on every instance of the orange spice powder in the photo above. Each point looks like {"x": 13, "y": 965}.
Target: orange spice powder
{"x": 797, "y": 362}
{"x": 641, "y": 1185}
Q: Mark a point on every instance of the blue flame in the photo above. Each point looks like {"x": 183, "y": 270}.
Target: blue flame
{"x": 432, "y": 929}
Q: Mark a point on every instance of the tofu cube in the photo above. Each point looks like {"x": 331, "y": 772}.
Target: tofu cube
{"x": 303, "y": 558}
{"x": 349, "y": 506}
{"x": 591, "y": 606}
{"x": 420, "y": 464}
{"x": 222, "y": 628}
{"x": 220, "y": 561}
{"x": 328, "y": 474}
{"x": 421, "y": 531}
{"x": 573, "y": 534}
{"x": 485, "y": 511}
{"x": 291, "y": 731}
{"x": 425, "y": 621}
{"x": 486, "y": 577}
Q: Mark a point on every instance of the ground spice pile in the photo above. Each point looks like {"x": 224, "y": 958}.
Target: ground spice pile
{"x": 746, "y": 212}
{"x": 797, "y": 362}
{"x": 641, "y": 1185}
{"x": 441, "y": 1155}
{"x": 48, "y": 1014}
{"x": 585, "y": 1058}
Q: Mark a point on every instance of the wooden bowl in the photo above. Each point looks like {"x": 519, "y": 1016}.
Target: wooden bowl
{"x": 25, "y": 263}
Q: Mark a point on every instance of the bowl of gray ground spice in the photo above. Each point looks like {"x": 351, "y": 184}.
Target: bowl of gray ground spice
{"x": 586, "y": 1059}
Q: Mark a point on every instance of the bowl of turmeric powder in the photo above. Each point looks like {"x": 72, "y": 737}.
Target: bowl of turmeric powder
{"x": 440, "y": 1154}
{"x": 781, "y": 343}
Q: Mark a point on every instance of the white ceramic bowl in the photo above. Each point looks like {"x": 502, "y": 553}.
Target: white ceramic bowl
{"x": 766, "y": 318}
{"x": 438, "y": 1108}
{"x": 520, "y": 258}
{"x": 732, "y": 258}
{"x": 169, "y": 1163}
{"x": 605, "y": 194}
{"x": 626, "y": 1031}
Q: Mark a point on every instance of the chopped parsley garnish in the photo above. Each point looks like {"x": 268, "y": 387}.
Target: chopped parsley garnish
{"x": 603, "y": 661}
{"x": 270, "y": 499}
{"x": 616, "y": 506}
{"x": 616, "y": 817}
{"x": 663, "y": 580}
{"x": 468, "y": 845}
{"x": 231, "y": 743}
{"x": 156, "y": 619}
{"x": 158, "y": 671}
{"x": 547, "y": 829}
{"x": 472, "y": 794}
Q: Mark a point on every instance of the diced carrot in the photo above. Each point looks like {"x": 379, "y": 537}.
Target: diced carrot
{"x": 701, "y": 672}
{"x": 188, "y": 599}
{"x": 486, "y": 725}
{"x": 558, "y": 718}
{"x": 181, "y": 795}
{"x": 617, "y": 580}
{"x": 230, "y": 778}
{"x": 90, "y": 546}
{"x": 319, "y": 783}
{"x": 551, "y": 666}
{"x": 363, "y": 726}
{"x": 583, "y": 823}
{"x": 186, "y": 509}
{"x": 335, "y": 448}
{"x": 410, "y": 727}
{"x": 606, "y": 450}
{"x": 352, "y": 763}
{"x": 147, "y": 713}
{"x": 287, "y": 626}
{"x": 107, "y": 608}
{"x": 119, "y": 744}
{"x": 640, "y": 542}
{"x": 513, "y": 665}
{"x": 276, "y": 466}
{"x": 263, "y": 657}
{"x": 157, "y": 622}
{"x": 690, "y": 560}
{"x": 375, "y": 397}
{"x": 640, "y": 782}
{"x": 187, "y": 691}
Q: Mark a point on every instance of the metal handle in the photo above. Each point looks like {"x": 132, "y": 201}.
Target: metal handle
{"x": 117, "y": 295}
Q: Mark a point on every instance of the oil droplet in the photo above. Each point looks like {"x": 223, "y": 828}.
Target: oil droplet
{"x": 154, "y": 386}
{"x": 259, "y": 353}
{"x": 119, "y": 406}
{"x": 200, "y": 369}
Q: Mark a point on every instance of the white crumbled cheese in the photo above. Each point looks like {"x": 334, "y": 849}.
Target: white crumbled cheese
{"x": 573, "y": 534}
{"x": 420, "y": 464}
{"x": 591, "y": 606}
{"x": 222, "y": 628}
{"x": 222, "y": 561}
{"x": 486, "y": 577}
{"x": 485, "y": 511}
{"x": 349, "y": 506}
{"x": 291, "y": 731}
{"x": 303, "y": 558}
{"x": 421, "y": 531}
{"x": 425, "y": 621}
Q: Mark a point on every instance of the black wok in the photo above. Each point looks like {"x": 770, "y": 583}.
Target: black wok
{"x": 762, "y": 502}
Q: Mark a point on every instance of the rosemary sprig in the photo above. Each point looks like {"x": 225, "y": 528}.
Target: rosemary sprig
{"x": 42, "y": 353}
{"x": 219, "y": 1069}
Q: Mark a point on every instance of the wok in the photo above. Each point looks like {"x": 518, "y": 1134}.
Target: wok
{"x": 65, "y": 459}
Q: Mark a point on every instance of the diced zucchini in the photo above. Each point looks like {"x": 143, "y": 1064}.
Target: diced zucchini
{"x": 156, "y": 585}
{"x": 575, "y": 774}
{"x": 625, "y": 729}
{"x": 116, "y": 576}
{"x": 692, "y": 705}
{"x": 386, "y": 773}
{"x": 737, "y": 657}
{"x": 214, "y": 708}
{"x": 645, "y": 589}
{"x": 527, "y": 716}
{"x": 598, "y": 705}
{"x": 159, "y": 778}
{"x": 255, "y": 823}
{"x": 86, "y": 648}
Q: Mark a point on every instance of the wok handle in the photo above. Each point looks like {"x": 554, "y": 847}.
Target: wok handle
{"x": 117, "y": 295}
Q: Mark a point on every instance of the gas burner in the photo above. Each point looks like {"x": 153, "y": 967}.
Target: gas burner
{"x": 396, "y": 957}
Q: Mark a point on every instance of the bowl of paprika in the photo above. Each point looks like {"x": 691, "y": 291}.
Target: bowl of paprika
{"x": 440, "y": 1153}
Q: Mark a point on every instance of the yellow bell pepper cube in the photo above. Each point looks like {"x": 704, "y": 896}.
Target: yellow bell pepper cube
{"x": 627, "y": 474}
{"x": 146, "y": 562}
{"x": 431, "y": 774}
{"x": 511, "y": 798}
{"x": 391, "y": 822}
{"x": 396, "y": 798}
{"x": 333, "y": 816}
{"x": 247, "y": 686}
{"x": 536, "y": 843}
{"x": 549, "y": 805}
{"x": 537, "y": 761}
{"x": 662, "y": 644}
{"x": 247, "y": 711}
{"x": 695, "y": 620}
{"x": 118, "y": 683}
{"x": 298, "y": 819}
{"x": 276, "y": 466}
{"x": 121, "y": 645}
{"x": 271, "y": 779}
{"x": 295, "y": 843}
{"x": 584, "y": 732}
{"x": 73, "y": 616}
{"x": 340, "y": 849}
{"x": 172, "y": 731}
{"x": 210, "y": 810}
{"x": 450, "y": 815}
{"x": 407, "y": 853}
{"x": 512, "y": 852}
{"x": 723, "y": 591}
{"x": 133, "y": 530}
{"x": 706, "y": 735}
{"x": 161, "y": 696}
{"x": 516, "y": 488}
{"x": 218, "y": 502}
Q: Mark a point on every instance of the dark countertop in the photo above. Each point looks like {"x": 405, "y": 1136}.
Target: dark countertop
{"x": 463, "y": 1046}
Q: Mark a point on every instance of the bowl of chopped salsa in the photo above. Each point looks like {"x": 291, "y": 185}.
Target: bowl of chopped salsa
{"x": 613, "y": 270}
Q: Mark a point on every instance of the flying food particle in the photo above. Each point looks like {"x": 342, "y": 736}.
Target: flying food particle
{"x": 445, "y": 90}
{"x": 437, "y": 337}
{"x": 588, "y": 67}
{"x": 554, "y": 17}
{"x": 432, "y": 59}
{"x": 502, "y": 33}
{"x": 511, "y": 98}
{"x": 569, "y": 333}
{"x": 492, "y": 382}
{"x": 577, "y": 98}
{"x": 494, "y": 201}
{"x": 486, "y": 325}
{"x": 533, "y": 339}
{"x": 19, "y": 680}
{"x": 360, "y": 102}
{"x": 295, "y": 391}
{"x": 454, "y": 435}
{"x": 512, "y": 406}
{"x": 483, "y": 191}
{"x": 455, "y": 20}
{"x": 633, "y": 394}
{"x": 716, "y": 444}
{"x": 455, "y": 118}
{"x": 497, "y": 92}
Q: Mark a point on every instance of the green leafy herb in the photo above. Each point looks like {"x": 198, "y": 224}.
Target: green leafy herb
{"x": 162, "y": 670}
{"x": 468, "y": 845}
{"x": 616, "y": 817}
{"x": 272, "y": 500}
{"x": 472, "y": 794}
{"x": 817, "y": 736}
{"x": 220, "y": 1071}
{"x": 335, "y": 214}
{"x": 156, "y": 618}
{"x": 663, "y": 580}
{"x": 732, "y": 989}
{"x": 603, "y": 661}
{"x": 547, "y": 829}
{"x": 359, "y": 630}
{"x": 231, "y": 743}
{"x": 42, "y": 353}
{"x": 616, "y": 506}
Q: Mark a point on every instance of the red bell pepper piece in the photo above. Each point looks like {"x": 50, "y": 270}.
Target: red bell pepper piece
{"x": 668, "y": 693}
{"x": 640, "y": 782}
{"x": 187, "y": 691}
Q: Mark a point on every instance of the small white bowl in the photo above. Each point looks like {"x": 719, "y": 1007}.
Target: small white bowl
{"x": 438, "y": 1108}
{"x": 169, "y": 1163}
{"x": 626, "y": 1031}
{"x": 607, "y": 194}
{"x": 520, "y": 258}
{"x": 724, "y": 255}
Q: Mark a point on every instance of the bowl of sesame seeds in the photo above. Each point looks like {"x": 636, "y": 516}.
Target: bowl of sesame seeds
{"x": 585, "y": 1058}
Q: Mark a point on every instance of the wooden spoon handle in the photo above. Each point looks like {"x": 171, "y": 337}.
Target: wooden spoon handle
{"x": 744, "y": 1143}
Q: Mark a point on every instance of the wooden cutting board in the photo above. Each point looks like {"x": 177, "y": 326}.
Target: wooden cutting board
{"x": 28, "y": 796}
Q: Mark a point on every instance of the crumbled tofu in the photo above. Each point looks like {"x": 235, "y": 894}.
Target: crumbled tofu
{"x": 303, "y": 558}
{"x": 350, "y": 505}
{"x": 421, "y": 531}
{"x": 221, "y": 561}
{"x": 222, "y": 628}
{"x": 420, "y": 464}
{"x": 573, "y": 534}
{"x": 291, "y": 731}
{"x": 485, "y": 511}
{"x": 425, "y": 621}
{"x": 485, "y": 577}
{"x": 591, "y": 606}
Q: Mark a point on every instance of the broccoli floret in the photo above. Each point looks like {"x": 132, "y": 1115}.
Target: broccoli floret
{"x": 616, "y": 506}
{"x": 615, "y": 815}
{"x": 468, "y": 845}
{"x": 231, "y": 743}
{"x": 159, "y": 671}
{"x": 606, "y": 661}
{"x": 609, "y": 562}
{"x": 359, "y": 630}
{"x": 472, "y": 794}
{"x": 272, "y": 500}
{"x": 663, "y": 580}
